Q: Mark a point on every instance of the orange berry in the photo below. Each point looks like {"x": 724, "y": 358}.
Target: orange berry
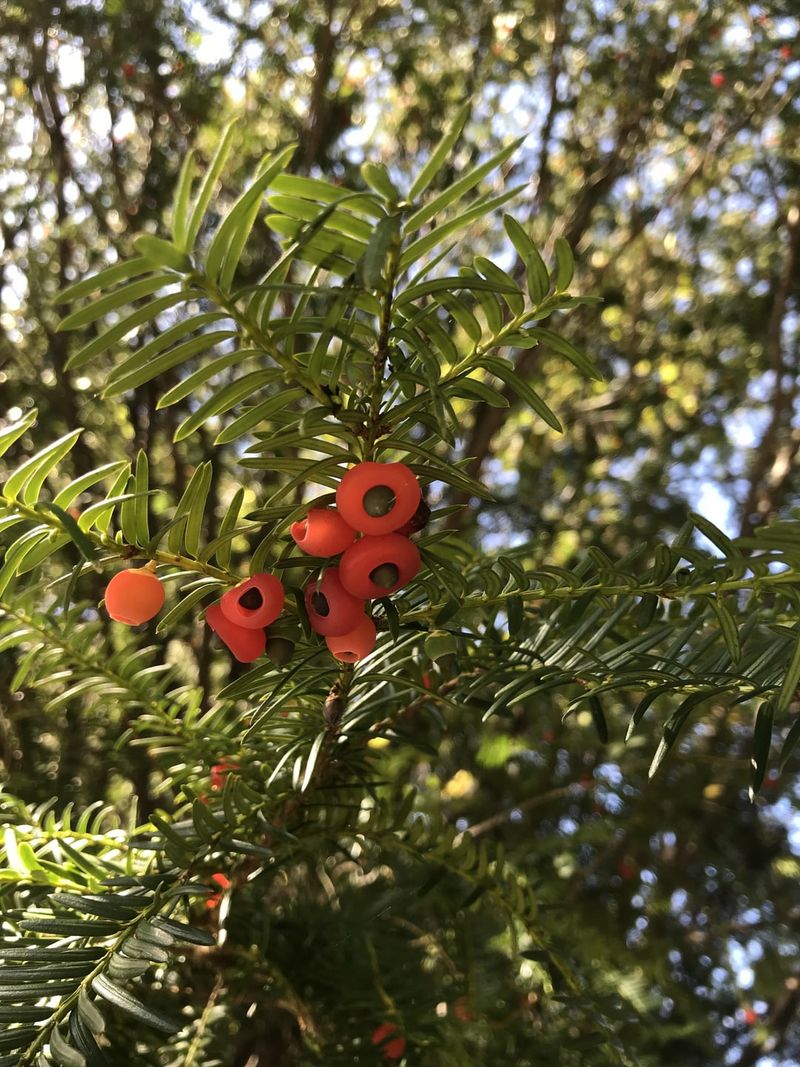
{"x": 245, "y": 645}
{"x": 353, "y": 646}
{"x": 220, "y": 772}
{"x": 378, "y": 498}
{"x": 255, "y": 603}
{"x": 134, "y": 596}
{"x": 332, "y": 611}
{"x": 377, "y": 566}
{"x": 323, "y": 532}
{"x": 391, "y": 1047}
{"x": 462, "y": 1010}
{"x": 216, "y": 898}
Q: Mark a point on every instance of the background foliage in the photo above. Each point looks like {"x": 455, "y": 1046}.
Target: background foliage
{"x": 592, "y": 914}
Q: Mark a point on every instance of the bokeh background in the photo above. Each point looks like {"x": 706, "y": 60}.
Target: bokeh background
{"x": 661, "y": 139}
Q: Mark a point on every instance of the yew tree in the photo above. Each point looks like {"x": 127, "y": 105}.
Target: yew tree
{"x": 540, "y": 810}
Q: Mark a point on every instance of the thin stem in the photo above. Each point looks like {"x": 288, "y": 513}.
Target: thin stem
{"x": 664, "y": 591}
{"x": 261, "y": 339}
{"x": 382, "y": 350}
{"x": 125, "y": 551}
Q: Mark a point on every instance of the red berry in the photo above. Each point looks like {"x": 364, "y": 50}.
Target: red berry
{"x": 220, "y": 772}
{"x": 255, "y": 603}
{"x": 323, "y": 533}
{"x": 378, "y": 498}
{"x": 332, "y": 611}
{"x": 462, "y": 1010}
{"x": 353, "y": 646}
{"x": 377, "y": 566}
{"x": 224, "y": 883}
{"x": 717, "y": 79}
{"x": 750, "y": 1016}
{"x": 626, "y": 871}
{"x": 786, "y": 52}
{"x": 129, "y": 69}
{"x": 392, "y": 1049}
{"x": 245, "y": 645}
{"x": 134, "y": 597}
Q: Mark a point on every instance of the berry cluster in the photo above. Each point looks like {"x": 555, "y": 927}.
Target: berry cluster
{"x": 383, "y": 503}
{"x": 378, "y": 506}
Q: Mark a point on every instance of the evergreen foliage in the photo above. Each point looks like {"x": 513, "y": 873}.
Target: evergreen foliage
{"x": 274, "y": 868}
{"x": 352, "y": 361}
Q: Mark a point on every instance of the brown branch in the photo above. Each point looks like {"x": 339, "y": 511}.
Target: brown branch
{"x": 772, "y": 462}
{"x": 544, "y": 178}
{"x": 573, "y": 789}
{"x": 319, "y": 108}
{"x": 52, "y": 117}
{"x": 782, "y": 1015}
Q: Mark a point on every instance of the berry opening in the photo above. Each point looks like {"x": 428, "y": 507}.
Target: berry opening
{"x": 386, "y": 575}
{"x": 299, "y": 530}
{"x": 378, "y": 566}
{"x": 254, "y": 603}
{"x": 252, "y": 600}
{"x": 323, "y": 532}
{"x": 377, "y": 498}
{"x": 319, "y": 603}
{"x": 331, "y": 610}
{"x": 379, "y": 501}
{"x": 356, "y": 644}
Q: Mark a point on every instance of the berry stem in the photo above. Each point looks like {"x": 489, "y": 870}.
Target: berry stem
{"x": 381, "y": 357}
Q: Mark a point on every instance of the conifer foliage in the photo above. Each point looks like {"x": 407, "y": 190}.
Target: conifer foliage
{"x": 357, "y": 610}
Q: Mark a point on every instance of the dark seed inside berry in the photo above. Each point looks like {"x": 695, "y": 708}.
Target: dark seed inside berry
{"x": 320, "y": 605}
{"x": 279, "y": 650}
{"x": 385, "y": 575}
{"x": 379, "y": 501}
{"x": 252, "y": 600}
{"x": 419, "y": 520}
